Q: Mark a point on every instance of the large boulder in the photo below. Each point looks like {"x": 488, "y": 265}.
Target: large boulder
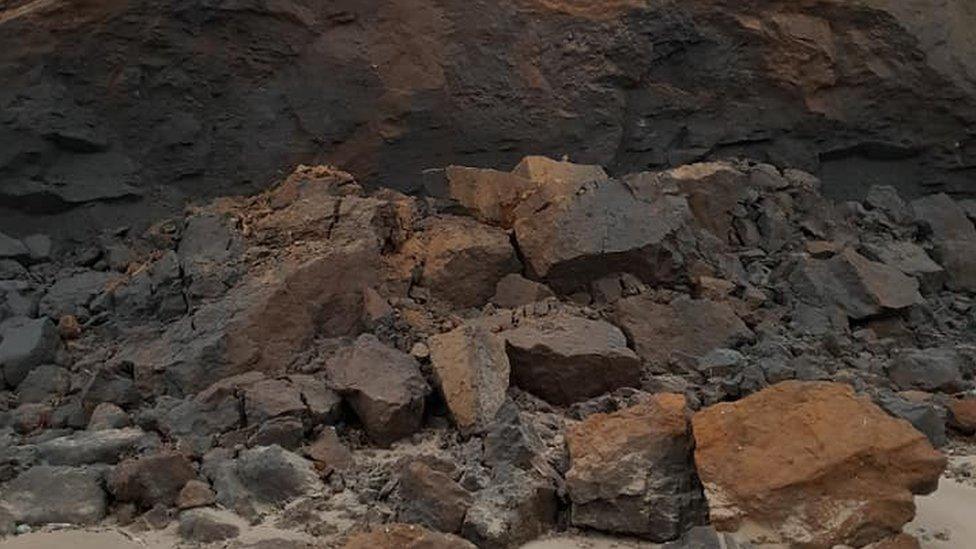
{"x": 91, "y": 447}
{"x": 26, "y": 343}
{"x": 856, "y": 285}
{"x": 151, "y": 480}
{"x": 491, "y": 195}
{"x": 811, "y": 464}
{"x": 462, "y": 259}
{"x": 631, "y": 471}
{"x": 46, "y": 494}
{"x": 384, "y": 386}
{"x": 565, "y": 359}
{"x": 472, "y": 372}
{"x": 682, "y": 328}
{"x": 602, "y": 228}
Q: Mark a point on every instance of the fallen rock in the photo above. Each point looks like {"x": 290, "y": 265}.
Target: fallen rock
{"x": 631, "y": 472}
{"x": 108, "y": 416}
{"x": 384, "y": 387}
{"x": 151, "y": 480}
{"x": 472, "y": 372}
{"x": 858, "y": 286}
{"x": 405, "y": 536}
{"x": 810, "y": 463}
{"x": 599, "y": 230}
{"x": 927, "y": 417}
{"x": 463, "y": 260}
{"x": 910, "y": 259}
{"x": 329, "y": 453}
{"x": 11, "y": 248}
{"x": 271, "y": 398}
{"x": 46, "y": 494}
{"x": 515, "y": 508}
{"x": 208, "y": 525}
{"x": 962, "y": 415}
{"x": 74, "y": 294}
{"x": 268, "y": 475}
{"x": 515, "y": 290}
{"x": 943, "y": 218}
{"x": 491, "y": 195}
{"x": 90, "y": 447}
{"x": 25, "y": 344}
{"x": 682, "y": 328}
{"x": 959, "y": 259}
{"x": 935, "y": 369}
{"x": 195, "y": 493}
{"x": 565, "y": 359}
{"x": 431, "y": 498}
{"x": 547, "y": 172}
{"x": 43, "y": 383}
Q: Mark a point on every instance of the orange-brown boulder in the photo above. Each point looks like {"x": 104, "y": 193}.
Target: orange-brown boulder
{"x": 405, "y": 536}
{"x": 810, "y": 464}
{"x": 631, "y": 471}
{"x": 962, "y": 415}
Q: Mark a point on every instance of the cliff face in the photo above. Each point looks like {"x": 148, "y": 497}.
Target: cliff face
{"x": 133, "y": 107}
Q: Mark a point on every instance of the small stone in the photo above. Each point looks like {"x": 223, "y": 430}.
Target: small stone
{"x": 431, "y": 498}
{"x": 195, "y": 493}
{"x": 329, "y": 453}
{"x": 962, "y": 415}
{"x": 207, "y": 526}
{"x": 69, "y": 328}
{"x": 151, "y": 480}
{"x": 108, "y": 416}
{"x": 514, "y": 290}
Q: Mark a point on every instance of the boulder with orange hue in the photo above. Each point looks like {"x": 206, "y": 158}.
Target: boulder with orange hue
{"x": 462, "y": 260}
{"x": 405, "y": 536}
{"x": 631, "y": 471}
{"x": 811, "y": 464}
{"x": 490, "y": 195}
{"x": 962, "y": 415}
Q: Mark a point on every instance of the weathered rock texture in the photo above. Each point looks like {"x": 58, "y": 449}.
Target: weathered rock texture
{"x": 810, "y": 464}
{"x": 227, "y": 94}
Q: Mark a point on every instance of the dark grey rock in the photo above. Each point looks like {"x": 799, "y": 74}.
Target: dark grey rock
{"x": 207, "y": 526}
{"x": 515, "y": 508}
{"x": 73, "y": 294}
{"x": 90, "y": 447}
{"x": 268, "y": 475}
{"x": 26, "y": 343}
{"x": 11, "y": 248}
{"x": 108, "y": 416}
{"x": 43, "y": 383}
{"x": 431, "y": 497}
{"x": 927, "y": 417}
{"x": 935, "y": 369}
{"x": 287, "y": 432}
{"x": 47, "y": 494}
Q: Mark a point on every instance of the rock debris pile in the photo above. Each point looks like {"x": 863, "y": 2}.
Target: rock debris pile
{"x": 711, "y": 355}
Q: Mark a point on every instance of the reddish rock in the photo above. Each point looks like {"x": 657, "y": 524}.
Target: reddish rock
{"x": 472, "y": 371}
{"x": 271, "y": 398}
{"x": 431, "y": 498}
{"x": 195, "y": 493}
{"x": 405, "y": 536}
{"x": 682, "y": 328}
{"x": 564, "y": 359}
{"x": 548, "y": 172}
{"x": 811, "y": 464}
{"x": 151, "y": 480}
{"x": 462, "y": 259}
{"x": 328, "y": 453}
{"x": 962, "y": 415}
{"x": 515, "y": 290}
{"x": 631, "y": 472}
{"x": 69, "y": 327}
{"x": 384, "y": 386}
{"x": 490, "y": 194}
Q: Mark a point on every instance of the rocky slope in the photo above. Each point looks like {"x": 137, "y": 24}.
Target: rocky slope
{"x": 710, "y": 354}
{"x": 146, "y": 105}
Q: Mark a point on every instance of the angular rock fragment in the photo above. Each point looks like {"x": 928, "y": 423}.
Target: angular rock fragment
{"x": 631, "y": 472}
{"x": 682, "y": 328}
{"x": 150, "y": 480}
{"x": 431, "y": 498}
{"x": 208, "y": 525}
{"x": 910, "y": 259}
{"x": 565, "y": 359}
{"x": 90, "y": 447}
{"x": 46, "y": 494}
{"x": 43, "y": 383}
{"x": 515, "y": 508}
{"x": 935, "y": 369}
{"x": 258, "y": 477}
{"x": 25, "y": 344}
{"x": 927, "y": 417}
{"x": 472, "y": 372}
{"x": 271, "y": 398}
{"x": 405, "y": 536}
{"x": 384, "y": 387}
{"x": 329, "y": 453}
{"x": 514, "y": 290}
{"x": 108, "y": 416}
{"x": 962, "y": 415}
{"x": 546, "y": 172}
{"x": 959, "y": 259}
{"x": 195, "y": 493}
{"x": 74, "y": 294}
{"x": 463, "y": 260}
{"x": 858, "y": 286}
{"x": 601, "y": 229}
{"x": 491, "y": 195}
{"x": 810, "y": 463}
{"x": 943, "y": 218}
